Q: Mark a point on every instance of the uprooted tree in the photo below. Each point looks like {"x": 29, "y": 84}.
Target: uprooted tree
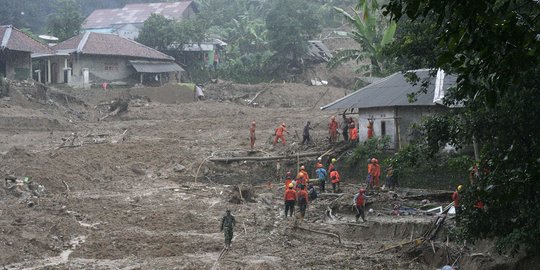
{"x": 494, "y": 49}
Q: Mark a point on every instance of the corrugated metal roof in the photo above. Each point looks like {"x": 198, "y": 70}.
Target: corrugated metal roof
{"x": 391, "y": 91}
{"x": 134, "y": 13}
{"x": 155, "y": 66}
{"x": 108, "y": 44}
{"x": 13, "y": 39}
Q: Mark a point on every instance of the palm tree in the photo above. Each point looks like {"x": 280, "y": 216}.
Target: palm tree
{"x": 372, "y": 35}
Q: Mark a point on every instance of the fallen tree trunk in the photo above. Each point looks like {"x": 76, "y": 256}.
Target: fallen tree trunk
{"x": 234, "y": 159}
{"x": 320, "y": 232}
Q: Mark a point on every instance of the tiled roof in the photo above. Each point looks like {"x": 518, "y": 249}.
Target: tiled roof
{"x": 13, "y": 39}
{"x": 108, "y": 44}
{"x": 134, "y": 13}
{"x": 392, "y": 91}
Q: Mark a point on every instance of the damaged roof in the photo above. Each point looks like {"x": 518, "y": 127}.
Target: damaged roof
{"x": 134, "y": 13}
{"x": 14, "y": 39}
{"x": 108, "y": 44}
{"x": 392, "y": 91}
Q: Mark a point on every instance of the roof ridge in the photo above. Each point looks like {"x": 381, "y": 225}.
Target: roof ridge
{"x": 359, "y": 90}
{"x": 142, "y": 45}
{"x": 7, "y": 35}
{"x": 83, "y": 41}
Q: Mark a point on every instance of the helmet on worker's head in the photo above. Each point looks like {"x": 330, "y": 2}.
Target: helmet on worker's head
{"x": 459, "y": 187}
{"x": 302, "y": 167}
{"x": 333, "y": 117}
{"x": 362, "y": 190}
{"x": 253, "y": 123}
{"x": 291, "y": 185}
{"x": 334, "y": 160}
{"x": 373, "y": 160}
{"x": 283, "y": 124}
{"x": 319, "y": 158}
{"x": 301, "y": 174}
{"x": 289, "y": 173}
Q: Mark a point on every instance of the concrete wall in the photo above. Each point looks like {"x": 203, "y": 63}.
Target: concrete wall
{"x": 18, "y": 65}
{"x": 397, "y": 122}
{"x": 129, "y": 31}
{"x": 101, "y": 69}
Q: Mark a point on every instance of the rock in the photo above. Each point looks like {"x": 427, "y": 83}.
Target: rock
{"x": 179, "y": 168}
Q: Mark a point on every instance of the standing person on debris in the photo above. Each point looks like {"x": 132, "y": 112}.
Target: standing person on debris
{"x": 369, "y": 179}
{"x": 279, "y": 133}
{"x": 252, "y": 134}
{"x": 319, "y": 162}
{"x": 288, "y": 179}
{"x": 353, "y": 135}
{"x": 390, "y": 178}
{"x": 345, "y": 128}
{"x": 374, "y": 172}
{"x": 290, "y": 199}
{"x": 455, "y": 199}
{"x": 227, "y": 224}
{"x": 335, "y": 179}
{"x": 332, "y": 164}
{"x": 304, "y": 174}
{"x": 302, "y": 199}
{"x": 300, "y": 180}
{"x": 359, "y": 201}
{"x": 332, "y": 129}
{"x": 322, "y": 175}
{"x": 306, "y": 137}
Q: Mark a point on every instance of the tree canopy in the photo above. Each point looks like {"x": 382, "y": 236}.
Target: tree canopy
{"x": 494, "y": 49}
{"x": 66, "y": 21}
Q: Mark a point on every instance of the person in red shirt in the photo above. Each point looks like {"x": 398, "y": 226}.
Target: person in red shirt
{"x": 332, "y": 129}
{"x": 353, "y": 135}
{"x": 290, "y": 199}
{"x": 455, "y": 199}
{"x": 252, "y": 134}
{"x": 370, "y": 132}
{"x": 335, "y": 179}
{"x": 300, "y": 180}
{"x": 302, "y": 199}
{"x": 359, "y": 202}
{"x": 279, "y": 132}
{"x": 304, "y": 173}
{"x": 332, "y": 165}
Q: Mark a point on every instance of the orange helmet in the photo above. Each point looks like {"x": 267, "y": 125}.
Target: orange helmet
{"x": 300, "y": 174}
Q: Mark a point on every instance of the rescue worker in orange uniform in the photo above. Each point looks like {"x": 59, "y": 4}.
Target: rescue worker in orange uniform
{"x": 304, "y": 173}
{"x": 300, "y": 180}
{"x": 279, "y": 132}
{"x": 288, "y": 179}
{"x": 302, "y": 199}
{"x": 290, "y": 199}
{"x": 375, "y": 172}
{"x": 370, "y": 129}
{"x": 332, "y": 164}
{"x": 332, "y": 129}
{"x": 335, "y": 179}
{"x": 353, "y": 135}
{"x": 252, "y": 134}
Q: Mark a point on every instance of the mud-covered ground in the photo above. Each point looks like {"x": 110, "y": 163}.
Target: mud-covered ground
{"x": 136, "y": 190}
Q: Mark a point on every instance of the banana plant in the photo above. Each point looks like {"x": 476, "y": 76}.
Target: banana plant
{"x": 371, "y": 31}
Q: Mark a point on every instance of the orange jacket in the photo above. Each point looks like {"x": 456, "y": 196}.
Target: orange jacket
{"x": 353, "y": 134}
{"x": 302, "y": 193}
{"x": 370, "y": 168}
{"x": 334, "y": 176}
{"x": 290, "y": 195}
{"x": 377, "y": 170}
{"x": 287, "y": 182}
{"x": 306, "y": 176}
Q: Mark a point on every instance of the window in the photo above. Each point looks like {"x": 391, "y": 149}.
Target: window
{"x": 383, "y": 128}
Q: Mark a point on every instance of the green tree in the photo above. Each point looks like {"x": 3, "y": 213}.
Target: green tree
{"x": 164, "y": 34}
{"x": 290, "y": 24}
{"x": 371, "y": 31}
{"x": 66, "y": 21}
{"x": 494, "y": 49}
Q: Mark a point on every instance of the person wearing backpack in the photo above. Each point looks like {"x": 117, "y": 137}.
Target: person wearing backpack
{"x": 302, "y": 199}
{"x": 322, "y": 174}
{"x": 359, "y": 201}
